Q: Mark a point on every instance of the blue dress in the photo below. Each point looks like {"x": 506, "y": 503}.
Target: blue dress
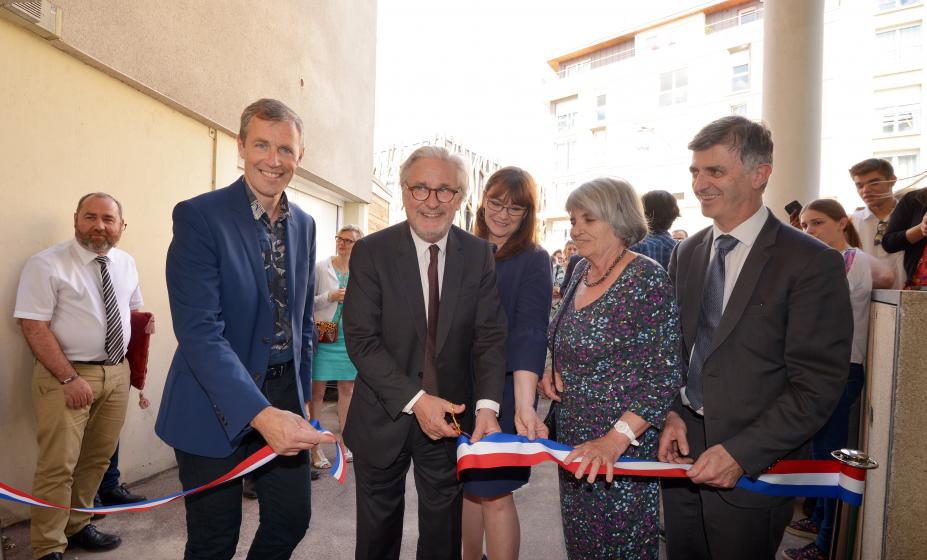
{"x": 331, "y": 363}
{"x": 525, "y": 289}
{"x": 619, "y": 353}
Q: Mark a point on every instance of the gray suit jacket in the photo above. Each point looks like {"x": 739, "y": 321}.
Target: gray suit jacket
{"x": 779, "y": 359}
{"x": 384, "y": 324}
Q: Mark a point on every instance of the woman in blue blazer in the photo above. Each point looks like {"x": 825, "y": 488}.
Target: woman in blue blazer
{"x": 507, "y": 219}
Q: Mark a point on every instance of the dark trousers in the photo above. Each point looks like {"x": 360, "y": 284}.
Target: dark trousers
{"x": 111, "y": 476}
{"x": 214, "y": 516}
{"x": 701, "y": 525}
{"x": 381, "y": 502}
{"x": 834, "y": 435}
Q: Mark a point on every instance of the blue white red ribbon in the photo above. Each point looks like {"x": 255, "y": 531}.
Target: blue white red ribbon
{"x": 251, "y": 464}
{"x": 821, "y": 479}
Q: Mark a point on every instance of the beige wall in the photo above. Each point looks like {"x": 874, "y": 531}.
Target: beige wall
{"x": 71, "y": 128}
{"x": 213, "y": 57}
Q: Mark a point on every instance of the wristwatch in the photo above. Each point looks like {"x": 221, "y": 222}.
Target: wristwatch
{"x": 624, "y": 429}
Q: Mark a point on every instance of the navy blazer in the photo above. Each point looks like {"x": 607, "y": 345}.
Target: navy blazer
{"x": 223, "y": 321}
{"x": 525, "y": 290}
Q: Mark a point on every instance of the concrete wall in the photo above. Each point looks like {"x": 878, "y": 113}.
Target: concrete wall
{"x": 74, "y": 125}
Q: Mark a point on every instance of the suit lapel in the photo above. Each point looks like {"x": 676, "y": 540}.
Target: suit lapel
{"x": 746, "y": 281}
{"x": 290, "y": 243}
{"x": 244, "y": 221}
{"x": 407, "y": 270}
{"x": 450, "y": 287}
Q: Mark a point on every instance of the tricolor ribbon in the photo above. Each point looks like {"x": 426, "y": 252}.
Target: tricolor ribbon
{"x": 820, "y": 479}
{"x": 258, "y": 459}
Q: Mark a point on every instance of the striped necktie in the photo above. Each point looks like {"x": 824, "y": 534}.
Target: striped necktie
{"x": 115, "y": 349}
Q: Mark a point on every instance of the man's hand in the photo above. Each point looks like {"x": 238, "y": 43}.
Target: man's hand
{"x": 286, "y": 433}
{"x": 528, "y": 424}
{"x": 77, "y": 394}
{"x": 674, "y": 446}
{"x": 551, "y": 385}
{"x": 600, "y": 452}
{"x": 429, "y": 412}
{"x": 486, "y": 423}
{"x": 715, "y": 467}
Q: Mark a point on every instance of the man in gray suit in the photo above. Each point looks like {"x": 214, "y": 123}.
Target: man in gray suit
{"x": 766, "y": 319}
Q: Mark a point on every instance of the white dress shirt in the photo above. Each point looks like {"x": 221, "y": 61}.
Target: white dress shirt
{"x": 866, "y": 224}
{"x": 62, "y": 285}
{"x": 424, "y": 259}
{"x": 746, "y": 234}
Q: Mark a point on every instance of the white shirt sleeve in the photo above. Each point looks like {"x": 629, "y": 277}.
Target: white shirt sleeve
{"x": 36, "y": 297}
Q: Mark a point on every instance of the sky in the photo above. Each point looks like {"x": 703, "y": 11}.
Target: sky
{"x": 474, "y": 71}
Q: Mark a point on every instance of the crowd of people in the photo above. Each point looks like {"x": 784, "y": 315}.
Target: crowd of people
{"x": 727, "y": 351}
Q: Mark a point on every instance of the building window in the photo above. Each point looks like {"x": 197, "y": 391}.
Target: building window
{"x": 566, "y": 113}
{"x": 900, "y": 47}
{"x": 892, "y": 4}
{"x": 600, "y": 108}
{"x": 674, "y": 87}
{"x": 747, "y": 15}
{"x": 899, "y": 119}
{"x": 740, "y": 80}
{"x": 739, "y": 109}
{"x": 905, "y": 164}
{"x": 564, "y": 156}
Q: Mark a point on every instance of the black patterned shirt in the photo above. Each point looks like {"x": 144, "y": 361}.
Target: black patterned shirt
{"x": 273, "y": 250}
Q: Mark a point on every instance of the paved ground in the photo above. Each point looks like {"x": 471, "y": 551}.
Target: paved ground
{"x": 160, "y": 533}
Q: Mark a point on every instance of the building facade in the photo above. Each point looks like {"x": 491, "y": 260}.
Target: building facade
{"x": 628, "y": 105}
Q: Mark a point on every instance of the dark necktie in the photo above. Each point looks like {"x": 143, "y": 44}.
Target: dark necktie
{"x": 708, "y": 319}
{"x": 429, "y": 369}
{"x": 114, "y": 346}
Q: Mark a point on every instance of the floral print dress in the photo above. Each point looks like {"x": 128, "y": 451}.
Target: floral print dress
{"x": 619, "y": 353}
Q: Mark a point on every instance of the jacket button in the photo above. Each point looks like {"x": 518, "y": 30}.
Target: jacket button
{"x": 265, "y": 340}
{"x": 256, "y": 375}
{"x": 420, "y": 375}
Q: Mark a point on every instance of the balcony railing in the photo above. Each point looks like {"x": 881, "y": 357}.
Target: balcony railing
{"x": 735, "y": 21}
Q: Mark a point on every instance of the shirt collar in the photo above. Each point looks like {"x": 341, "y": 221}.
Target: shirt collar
{"x": 748, "y": 230}
{"x": 83, "y": 255}
{"x": 421, "y": 246}
{"x": 258, "y": 211}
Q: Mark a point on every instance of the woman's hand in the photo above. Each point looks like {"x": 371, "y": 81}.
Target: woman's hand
{"x": 528, "y": 424}
{"x": 336, "y": 295}
{"x": 596, "y": 453}
{"x": 551, "y": 385}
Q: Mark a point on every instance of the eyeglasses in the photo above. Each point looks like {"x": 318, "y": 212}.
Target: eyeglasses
{"x": 880, "y": 232}
{"x": 344, "y": 240}
{"x": 421, "y": 193}
{"x": 514, "y": 211}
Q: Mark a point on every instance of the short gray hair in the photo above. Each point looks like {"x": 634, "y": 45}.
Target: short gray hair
{"x": 750, "y": 140}
{"x": 615, "y": 202}
{"x": 358, "y": 232}
{"x": 269, "y": 110}
{"x": 439, "y": 153}
{"x": 99, "y": 195}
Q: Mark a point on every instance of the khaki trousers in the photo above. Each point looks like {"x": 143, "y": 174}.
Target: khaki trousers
{"x": 74, "y": 449}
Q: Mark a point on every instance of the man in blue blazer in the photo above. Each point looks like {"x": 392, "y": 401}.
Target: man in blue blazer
{"x": 240, "y": 283}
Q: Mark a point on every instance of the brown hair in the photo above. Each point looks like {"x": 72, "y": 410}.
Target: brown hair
{"x": 833, "y": 210}
{"x": 521, "y": 190}
{"x": 269, "y": 110}
{"x": 883, "y": 166}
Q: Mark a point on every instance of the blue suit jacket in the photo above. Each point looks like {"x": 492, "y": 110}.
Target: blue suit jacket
{"x": 222, "y": 317}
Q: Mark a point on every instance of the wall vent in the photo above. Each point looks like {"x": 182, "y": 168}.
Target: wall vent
{"x": 40, "y": 16}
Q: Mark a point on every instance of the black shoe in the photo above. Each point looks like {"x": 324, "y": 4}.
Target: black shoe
{"x": 247, "y": 488}
{"x": 314, "y": 474}
{"x": 97, "y": 503}
{"x": 92, "y": 540}
{"x": 53, "y": 556}
{"x": 120, "y": 495}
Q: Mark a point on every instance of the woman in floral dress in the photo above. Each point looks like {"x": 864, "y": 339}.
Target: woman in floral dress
{"x": 617, "y": 362}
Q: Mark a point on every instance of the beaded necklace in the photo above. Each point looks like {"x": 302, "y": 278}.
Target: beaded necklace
{"x": 589, "y": 284}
